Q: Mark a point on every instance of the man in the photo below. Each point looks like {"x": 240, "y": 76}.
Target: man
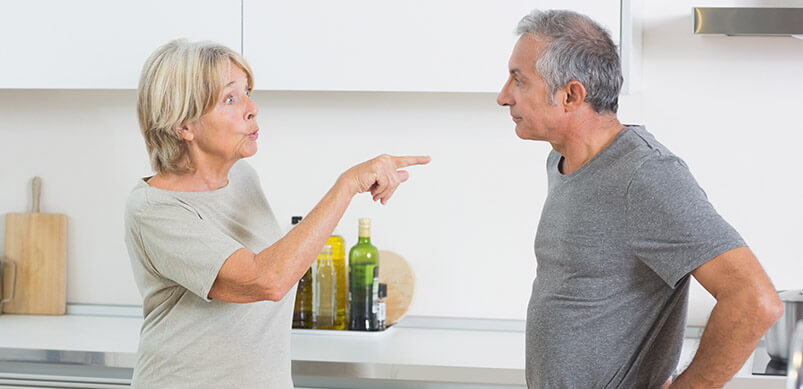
{"x": 623, "y": 226}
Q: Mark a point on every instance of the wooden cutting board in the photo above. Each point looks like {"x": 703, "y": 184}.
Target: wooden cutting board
{"x": 397, "y": 273}
{"x": 37, "y": 242}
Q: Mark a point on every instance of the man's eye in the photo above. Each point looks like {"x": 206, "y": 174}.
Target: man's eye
{"x": 516, "y": 80}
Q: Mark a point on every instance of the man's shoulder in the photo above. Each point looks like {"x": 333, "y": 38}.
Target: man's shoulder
{"x": 637, "y": 138}
{"x": 637, "y": 147}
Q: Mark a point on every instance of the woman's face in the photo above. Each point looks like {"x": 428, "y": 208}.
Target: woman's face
{"x": 229, "y": 131}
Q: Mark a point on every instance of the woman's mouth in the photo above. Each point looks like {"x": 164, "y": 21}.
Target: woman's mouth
{"x": 254, "y": 135}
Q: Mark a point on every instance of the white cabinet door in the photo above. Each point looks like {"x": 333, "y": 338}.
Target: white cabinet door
{"x": 383, "y": 45}
{"x": 100, "y": 43}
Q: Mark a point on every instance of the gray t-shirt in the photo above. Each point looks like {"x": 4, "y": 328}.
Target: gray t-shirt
{"x": 615, "y": 245}
{"x": 177, "y": 242}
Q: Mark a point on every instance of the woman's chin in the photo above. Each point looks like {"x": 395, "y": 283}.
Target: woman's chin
{"x": 249, "y": 150}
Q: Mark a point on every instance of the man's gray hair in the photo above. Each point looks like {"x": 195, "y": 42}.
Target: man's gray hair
{"x": 578, "y": 49}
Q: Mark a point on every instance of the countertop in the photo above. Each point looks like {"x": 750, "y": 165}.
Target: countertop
{"x": 403, "y": 354}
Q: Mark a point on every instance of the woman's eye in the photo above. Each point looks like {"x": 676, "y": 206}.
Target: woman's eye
{"x": 248, "y": 92}
{"x": 228, "y": 100}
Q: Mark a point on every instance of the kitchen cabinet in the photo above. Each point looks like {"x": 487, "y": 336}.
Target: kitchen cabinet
{"x": 89, "y": 351}
{"x": 320, "y": 45}
{"x": 404, "y": 46}
{"x": 89, "y": 44}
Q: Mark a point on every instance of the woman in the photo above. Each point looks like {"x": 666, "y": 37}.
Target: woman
{"x": 216, "y": 275}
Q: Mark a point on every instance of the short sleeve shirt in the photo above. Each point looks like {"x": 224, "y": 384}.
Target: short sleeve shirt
{"x": 177, "y": 243}
{"x": 615, "y": 245}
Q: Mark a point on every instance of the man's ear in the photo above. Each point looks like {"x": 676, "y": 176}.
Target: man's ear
{"x": 575, "y": 96}
{"x": 185, "y": 132}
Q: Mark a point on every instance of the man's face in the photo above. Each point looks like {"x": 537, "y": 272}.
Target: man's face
{"x": 526, "y": 95}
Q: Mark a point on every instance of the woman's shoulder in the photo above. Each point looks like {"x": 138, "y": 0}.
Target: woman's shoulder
{"x": 138, "y": 196}
{"x": 242, "y": 168}
{"x": 144, "y": 197}
{"x": 242, "y": 174}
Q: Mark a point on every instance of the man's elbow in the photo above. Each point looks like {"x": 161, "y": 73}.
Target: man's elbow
{"x": 769, "y": 308}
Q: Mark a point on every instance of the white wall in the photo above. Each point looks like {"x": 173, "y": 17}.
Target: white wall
{"x": 469, "y": 244}
{"x": 728, "y": 105}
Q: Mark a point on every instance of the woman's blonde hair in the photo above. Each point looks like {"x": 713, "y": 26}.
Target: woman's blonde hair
{"x": 180, "y": 82}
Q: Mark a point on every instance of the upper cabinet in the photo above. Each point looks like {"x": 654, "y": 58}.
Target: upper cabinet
{"x": 380, "y": 45}
{"x": 80, "y": 44}
{"x": 320, "y": 45}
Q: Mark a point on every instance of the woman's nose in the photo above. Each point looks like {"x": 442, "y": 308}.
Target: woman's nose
{"x": 252, "y": 110}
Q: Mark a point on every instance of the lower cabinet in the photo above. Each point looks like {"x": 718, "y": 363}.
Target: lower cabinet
{"x": 47, "y": 375}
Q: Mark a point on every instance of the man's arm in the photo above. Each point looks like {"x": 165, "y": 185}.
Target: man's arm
{"x": 747, "y": 306}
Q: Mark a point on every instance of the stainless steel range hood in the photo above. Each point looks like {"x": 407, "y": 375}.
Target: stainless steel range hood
{"x": 748, "y": 21}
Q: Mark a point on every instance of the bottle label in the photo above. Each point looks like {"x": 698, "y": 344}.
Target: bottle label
{"x": 375, "y": 292}
{"x": 380, "y": 315}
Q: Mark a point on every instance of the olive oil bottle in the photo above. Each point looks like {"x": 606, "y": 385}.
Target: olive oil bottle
{"x": 302, "y": 312}
{"x": 339, "y": 261}
{"x": 324, "y": 305}
{"x": 364, "y": 281}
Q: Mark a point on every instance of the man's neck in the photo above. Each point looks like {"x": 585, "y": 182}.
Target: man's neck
{"x": 585, "y": 139}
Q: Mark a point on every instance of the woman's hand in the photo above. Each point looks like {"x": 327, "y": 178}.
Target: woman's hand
{"x": 380, "y": 175}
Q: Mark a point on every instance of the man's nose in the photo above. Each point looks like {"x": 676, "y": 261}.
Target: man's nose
{"x": 503, "y": 98}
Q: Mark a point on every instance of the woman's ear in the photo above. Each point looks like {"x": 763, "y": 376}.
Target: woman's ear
{"x": 575, "y": 96}
{"x": 184, "y": 132}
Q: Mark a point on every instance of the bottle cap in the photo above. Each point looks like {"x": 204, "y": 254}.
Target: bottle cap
{"x": 295, "y": 219}
{"x": 365, "y": 228}
{"x": 383, "y": 290}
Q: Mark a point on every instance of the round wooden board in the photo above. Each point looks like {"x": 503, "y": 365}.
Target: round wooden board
{"x": 398, "y": 275}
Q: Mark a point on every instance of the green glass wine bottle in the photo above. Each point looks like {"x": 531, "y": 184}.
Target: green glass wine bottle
{"x": 364, "y": 281}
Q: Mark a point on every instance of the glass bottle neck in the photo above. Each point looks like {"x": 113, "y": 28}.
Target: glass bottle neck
{"x": 325, "y": 261}
{"x": 364, "y": 240}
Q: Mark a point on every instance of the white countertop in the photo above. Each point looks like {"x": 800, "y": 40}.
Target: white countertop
{"x": 482, "y": 350}
{"x": 498, "y": 349}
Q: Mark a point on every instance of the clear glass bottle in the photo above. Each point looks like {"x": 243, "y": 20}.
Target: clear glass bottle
{"x": 339, "y": 261}
{"x": 324, "y": 305}
{"x": 302, "y": 312}
{"x": 363, "y": 281}
{"x": 381, "y": 312}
